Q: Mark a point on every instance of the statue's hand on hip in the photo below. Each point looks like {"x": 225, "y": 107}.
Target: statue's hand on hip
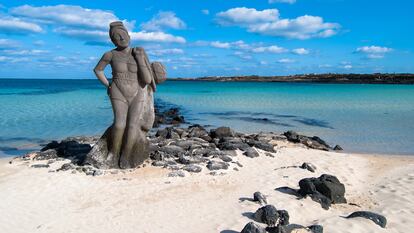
{"x": 108, "y": 90}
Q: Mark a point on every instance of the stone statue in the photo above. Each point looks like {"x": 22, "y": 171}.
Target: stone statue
{"x": 124, "y": 144}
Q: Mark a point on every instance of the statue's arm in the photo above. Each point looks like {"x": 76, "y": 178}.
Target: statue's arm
{"x": 100, "y": 67}
{"x": 144, "y": 65}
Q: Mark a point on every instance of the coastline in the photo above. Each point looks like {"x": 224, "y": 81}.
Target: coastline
{"x": 148, "y": 200}
{"x": 377, "y": 78}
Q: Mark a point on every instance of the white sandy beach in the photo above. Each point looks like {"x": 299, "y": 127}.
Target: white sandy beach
{"x": 147, "y": 200}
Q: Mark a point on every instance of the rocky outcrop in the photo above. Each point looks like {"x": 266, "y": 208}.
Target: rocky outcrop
{"x": 311, "y": 142}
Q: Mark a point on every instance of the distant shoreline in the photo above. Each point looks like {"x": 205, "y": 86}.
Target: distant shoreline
{"x": 313, "y": 78}
{"x": 377, "y": 78}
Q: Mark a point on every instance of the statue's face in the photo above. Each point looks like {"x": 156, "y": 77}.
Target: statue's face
{"x": 121, "y": 38}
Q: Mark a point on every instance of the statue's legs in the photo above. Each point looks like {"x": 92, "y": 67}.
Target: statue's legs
{"x": 120, "y": 109}
{"x": 134, "y": 134}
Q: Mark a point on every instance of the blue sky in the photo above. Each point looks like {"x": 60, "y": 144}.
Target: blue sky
{"x": 65, "y": 39}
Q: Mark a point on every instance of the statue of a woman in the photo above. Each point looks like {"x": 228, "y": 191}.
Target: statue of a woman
{"x": 124, "y": 144}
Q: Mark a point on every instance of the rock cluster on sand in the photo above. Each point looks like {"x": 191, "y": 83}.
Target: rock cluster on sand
{"x": 325, "y": 189}
{"x": 190, "y": 149}
{"x": 277, "y": 221}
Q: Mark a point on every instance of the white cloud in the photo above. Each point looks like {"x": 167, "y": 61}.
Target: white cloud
{"x": 156, "y": 37}
{"x": 84, "y": 34}
{"x": 300, "y": 51}
{"x": 282, "y": 1}
{"x": 205, "y": 12}
{"x": 347, "y": 67}
{"x": 102, "y": 36}
{"x": 221, "y": 45}
{"x": 163, "y": 20}
{"x": 7, "y": 43}
{"x": 242, "y": 55}
{"x": 70, "y": 15}
{"x": 13, "y": 25}
{"x": 7, "y": 59}
{"x": 374, "y": 52}
{"x": 285, "y": 60}
{"x": 267, "y": 22}
{"x": 303, "y": 27}
{"x": 246, "y": 16}
{"x": 269, "y": 49}
{"x": 160, "y": 52}
{"x": 26, "y": 52}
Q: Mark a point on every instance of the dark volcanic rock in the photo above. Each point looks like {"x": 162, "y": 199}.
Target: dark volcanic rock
{"x": 40, "y": 166}
{"x": 261, "y": 145}
{"x": 46, "y": 154}
{"x": 376, "y": 218}
{"x": 338, "y": 148}
{"x": 225, "y": 158}
{"x": 190, "y": 159}
{"x": 192, "y": 168}
{"x": 66, "y": 166}
{"x": 216, "y": 165}
{"x": 172, "y": 150}
{"x": 259, "y": 197}
{"x": 316, "y": 228}
{"x": 308, "y": 166}
{"x": 221, "y": 132}
{"x": 197, "y": 131}
{"x": 176, "y": 174}
{"x": 252, "y": 227}
{"x": 311, "y": 142}
{"x": 168, "y": 117}
{"x": 326, "y": 190}
{"x": 267, "y": 214}
{"x": 251, "y": 153}
{"x": 233, "y": 145}
{"x": 283, "y": 217}
{"x": 167, "y": 133}
{"x": 51, "y": 145}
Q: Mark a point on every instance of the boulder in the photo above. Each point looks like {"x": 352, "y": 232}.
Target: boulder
{"x": 251, "y": 153}
{"x": 217, "y": 165}
{"x": 326, "y": 189}
{"x": 192, "y": 168}
{"x": 221, "y": 132}
{"x": 267, "y": 214}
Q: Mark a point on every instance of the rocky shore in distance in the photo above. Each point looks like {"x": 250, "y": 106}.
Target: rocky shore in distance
{"x": 314, "y": 78}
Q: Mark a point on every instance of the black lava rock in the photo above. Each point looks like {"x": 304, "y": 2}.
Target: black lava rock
{"x": 259, "y": 197}
{"x": 251, "y": 153}
{"x": 308, "y": 166}
{"x": 283, "y": 217}
{"x": 252, "y": 227}
{"x": 267, "y": 214}
{"x": 221, "y": 132}
{"x": 326, "y": 190}
{"x": 216, "y": 165}
{"x": 376, "y": 218}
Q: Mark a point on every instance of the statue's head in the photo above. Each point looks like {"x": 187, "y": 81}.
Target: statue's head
{"x": 119, "y": 34}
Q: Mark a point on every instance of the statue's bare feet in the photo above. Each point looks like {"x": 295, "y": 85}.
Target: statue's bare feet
{"x": 124, "y": 162}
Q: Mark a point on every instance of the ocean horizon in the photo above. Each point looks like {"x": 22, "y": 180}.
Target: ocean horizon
{"x": 362, "y": 118}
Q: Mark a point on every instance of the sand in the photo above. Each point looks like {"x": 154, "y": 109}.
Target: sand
{"x": 147, "y": 200}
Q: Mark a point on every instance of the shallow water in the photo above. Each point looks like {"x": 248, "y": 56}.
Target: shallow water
{"x": 361, "y": 118}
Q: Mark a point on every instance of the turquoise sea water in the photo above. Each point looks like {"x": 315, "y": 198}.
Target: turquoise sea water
{"x": 361, "y": 118}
